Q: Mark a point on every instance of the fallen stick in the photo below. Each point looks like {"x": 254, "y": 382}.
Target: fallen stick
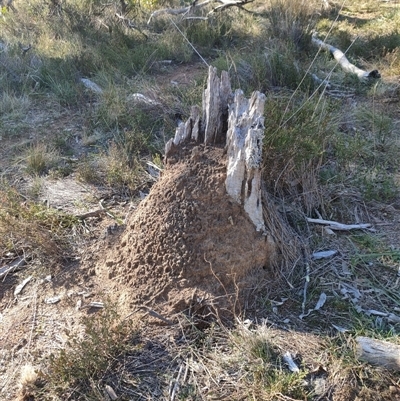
{"x": 195, "y": 4}
{"x": 340, "y": 57}
{"x": 381, "y": 353}
{"x": 334, "y": 225}
{"x": 177, "y": 11}
{"x": 16, "y": 264}
{"x": 95, "y": 213}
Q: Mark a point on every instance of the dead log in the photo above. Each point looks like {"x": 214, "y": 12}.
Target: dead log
{"x": 342, "y": 60}
{"x": 238, "y": 123}
{"x": 379, "y": 353}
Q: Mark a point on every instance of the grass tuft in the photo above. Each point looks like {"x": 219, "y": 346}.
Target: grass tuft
{"x": 80, "y": 367}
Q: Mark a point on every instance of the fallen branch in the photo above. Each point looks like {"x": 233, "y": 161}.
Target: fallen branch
{"x": 381, "y": 353}
{"x": 334, "y": 225}
{"x": 340, "y": 57}
{"x": 231, "y": 3}
{"x": 130, "y": 24}
{"x": 153, "y": 313}
{"x": 196, "y": 5}
{"x": 177, "y": 11}
{"x": 16, "y": 264}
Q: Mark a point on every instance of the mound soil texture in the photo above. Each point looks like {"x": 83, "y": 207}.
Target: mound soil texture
{"x": 188, "y": 239}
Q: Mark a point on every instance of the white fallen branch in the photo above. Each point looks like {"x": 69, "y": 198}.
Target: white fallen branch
{"x": 197, "y": 5}
{"x": 140, "y": 98}
{"x": 21, "y": 286}
{"x": 110, "y": 392}
{"x": 334, "y": 225}
{"x": 377, "y": 352}
{"x": 178, "y": 11}
{"x": 342, "y": 60}
{"x": 231, "y": 3}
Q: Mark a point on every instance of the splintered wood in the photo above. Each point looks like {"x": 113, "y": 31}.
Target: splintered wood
{"x": 238, "y": 122}
{"x": 244, "y": 147}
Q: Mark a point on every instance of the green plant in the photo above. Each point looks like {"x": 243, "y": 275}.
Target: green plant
{"x": 297, "y": 135}
{"x": 379, "y": 185}
{"x": 13, "y": 106}
{"x": 79, "y": 367}
{"x": 292, "y": 21}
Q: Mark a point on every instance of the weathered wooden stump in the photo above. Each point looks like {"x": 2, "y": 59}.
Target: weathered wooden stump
{"x": 231, "y": 119}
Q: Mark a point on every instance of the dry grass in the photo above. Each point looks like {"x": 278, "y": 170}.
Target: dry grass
{"x": 32, "y": 230}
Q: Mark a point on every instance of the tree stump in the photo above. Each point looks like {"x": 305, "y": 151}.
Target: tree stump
{"x": 237, "y": 122}
{"x": 199, "y": 239}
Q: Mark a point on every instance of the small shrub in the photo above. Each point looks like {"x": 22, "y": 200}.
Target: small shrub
{"x": 78, "y": 368}
{"x": 378, "y": 185}
{"x": 297, "y": 134}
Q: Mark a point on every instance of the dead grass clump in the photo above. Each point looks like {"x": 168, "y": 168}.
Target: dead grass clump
{"x": 79, "y": 369}
{"x": 13, "y": 106}
{"x": 31, "y": 229}
{"x": 27, "y": 383}
{"x": 40, "y": 158}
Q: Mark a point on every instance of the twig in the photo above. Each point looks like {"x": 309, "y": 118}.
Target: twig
{"x": 187, "y": 40}
{"x": 106, "y": 210}
{"x": 176, "y": 385}
{"x": 130, "y": 24}
{"x": 151, "y": 312}
{"x": 334, "y": 225}
{"x": 95, "y": 213}
{"x": 188, "y": 9}
{"x": 307, "y": 280}
{"x": 177, "y": 11}
{"x": 33, "y": 320}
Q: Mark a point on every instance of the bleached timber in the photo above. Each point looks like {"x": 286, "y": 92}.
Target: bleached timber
{"x": 340, "y": 57}
{"x": 244, "y": 148}
{"x": 198, "y": 5}
{"x": 238, "y": 122}
{"x": 379, "y": 353}
{"x": 334, "y": 225}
